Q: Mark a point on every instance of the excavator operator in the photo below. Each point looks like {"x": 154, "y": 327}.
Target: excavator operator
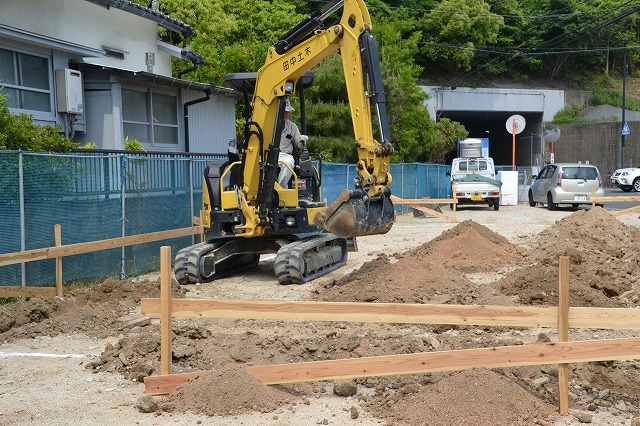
{"x": 291, "y": 142}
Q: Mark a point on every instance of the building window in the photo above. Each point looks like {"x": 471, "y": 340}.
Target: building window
{"x": 150, "y": 117}
{"x": 26, "y": 81}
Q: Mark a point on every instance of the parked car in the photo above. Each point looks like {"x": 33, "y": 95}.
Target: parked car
{"x": 626, "y": 179}
{"x": 565, "y": 183}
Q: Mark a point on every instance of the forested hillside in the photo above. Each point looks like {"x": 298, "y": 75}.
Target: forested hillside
{"x": 449, "y": 43}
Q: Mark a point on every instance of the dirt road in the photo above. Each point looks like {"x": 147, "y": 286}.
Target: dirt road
{"x": 80, "y": 360}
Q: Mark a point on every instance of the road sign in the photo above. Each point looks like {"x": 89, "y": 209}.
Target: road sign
{"x": 625, "y": 129}
{"x": 551, "y": 134}
{"x": 515, "y": 122}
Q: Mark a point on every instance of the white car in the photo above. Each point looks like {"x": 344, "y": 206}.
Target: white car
{"x": 626, "y": 179}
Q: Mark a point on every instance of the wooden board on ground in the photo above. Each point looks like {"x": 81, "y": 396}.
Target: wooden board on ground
{"x": 496, "y": 357}
{"x": 165, "y": 384}
{"x": 430, "y": 206}
{"x": 409, "y": 313}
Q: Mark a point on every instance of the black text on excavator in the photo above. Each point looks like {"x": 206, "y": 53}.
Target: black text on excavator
{"x": 246, "y": 213}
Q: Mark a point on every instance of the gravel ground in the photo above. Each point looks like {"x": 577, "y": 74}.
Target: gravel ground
{"x": 58, "y": 365}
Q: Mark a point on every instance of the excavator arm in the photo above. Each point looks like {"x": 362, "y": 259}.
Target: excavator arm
{"x": 246, "y": 213}
{"x": 367, "y": 209}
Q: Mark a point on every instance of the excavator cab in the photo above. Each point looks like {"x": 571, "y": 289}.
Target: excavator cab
{"x": 307, "y": 177}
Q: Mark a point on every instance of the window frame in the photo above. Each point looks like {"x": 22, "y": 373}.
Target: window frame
{"x": 149, "y": 92}
{"x": 48, "y": 116}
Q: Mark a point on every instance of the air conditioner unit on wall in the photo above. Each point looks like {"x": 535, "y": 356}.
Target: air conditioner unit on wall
{"x": 69, "y": 91}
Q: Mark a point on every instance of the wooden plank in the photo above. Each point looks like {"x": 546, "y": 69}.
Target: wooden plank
{"x": 527, "y": 316}
{"x": 563, "y": 333}
{"x": 604, "y": 318}
{"x": 426, "y": 362}
{"x": 23, "y": 256}
{"x": 625, "y": 211}
{"x": 165, "y": 384}
{"x": 432, "y": 212}
{"x": 15, "y": 291}
{"x": 611, "y": 199}
{"x": 358, "y": 312}
{"x": 79, "y": 248}
{"x": 418, "y": 201}
{"x": 165, "y": 316}
{"x": 57, "y": 237}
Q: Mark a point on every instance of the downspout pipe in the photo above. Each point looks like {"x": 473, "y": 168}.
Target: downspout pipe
{"x": 186, "y": 106}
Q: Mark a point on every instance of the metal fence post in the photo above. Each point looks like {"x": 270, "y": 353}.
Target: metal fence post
{"x": 23, "y": 266}
{"x": 123, "y": 180}
{"x": 191, "y": 195}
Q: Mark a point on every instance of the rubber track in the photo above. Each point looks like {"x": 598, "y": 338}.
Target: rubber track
{"x": 291, "y": 266}
{"x": 187, "y": 263}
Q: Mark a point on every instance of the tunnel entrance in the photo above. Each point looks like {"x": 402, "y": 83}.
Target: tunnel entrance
{"x": 492, "y": 125}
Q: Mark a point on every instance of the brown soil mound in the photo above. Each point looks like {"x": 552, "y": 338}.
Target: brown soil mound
{"x": 428, "y": 272}
{"x": 473, "y": 397}
{"x": 603, "y": 262}
{"x": 98, "y": 311}
{"x": 229, "y": 391}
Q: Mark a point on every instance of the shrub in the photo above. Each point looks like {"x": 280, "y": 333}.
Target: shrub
{"x": 19, "y": 132}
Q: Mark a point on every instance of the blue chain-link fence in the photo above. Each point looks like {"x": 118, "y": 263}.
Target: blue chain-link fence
{"x": 101, "y": 196}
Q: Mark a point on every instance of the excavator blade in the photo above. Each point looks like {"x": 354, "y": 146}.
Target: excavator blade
{"x": 355, "y": 214}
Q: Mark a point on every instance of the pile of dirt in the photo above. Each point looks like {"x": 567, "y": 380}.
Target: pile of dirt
{"x": 472, "y": 397}
{"x": 431, "y": 273}
{"x": 603, "y": 263}
{"x": 231, "y": 390}
{"x": 99, "y": 311}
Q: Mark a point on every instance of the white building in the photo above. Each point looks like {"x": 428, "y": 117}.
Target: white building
{"x": 98, "y": 69}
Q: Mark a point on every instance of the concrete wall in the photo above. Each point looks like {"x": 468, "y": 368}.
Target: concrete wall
{"x": 598, "y": 143}
{"x": 517, "y": 101}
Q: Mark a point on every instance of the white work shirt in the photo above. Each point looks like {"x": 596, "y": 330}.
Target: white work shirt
{"x": 290, "y": 135}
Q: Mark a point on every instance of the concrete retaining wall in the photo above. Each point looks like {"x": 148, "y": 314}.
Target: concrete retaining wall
{"x": 599, "y": 144}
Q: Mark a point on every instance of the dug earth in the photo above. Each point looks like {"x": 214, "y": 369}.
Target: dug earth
{"x": 81, "y": 359}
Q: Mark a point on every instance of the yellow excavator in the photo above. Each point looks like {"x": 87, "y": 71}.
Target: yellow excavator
{"x": 246, "y": 213}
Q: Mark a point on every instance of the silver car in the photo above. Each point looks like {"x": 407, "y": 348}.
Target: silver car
{"x": 566, "y": 183}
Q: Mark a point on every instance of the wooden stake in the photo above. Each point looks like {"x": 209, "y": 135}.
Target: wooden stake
{"x": 563, "y": 333}
{"x": 57, "y": 236}
{"x": 165, "y": 316}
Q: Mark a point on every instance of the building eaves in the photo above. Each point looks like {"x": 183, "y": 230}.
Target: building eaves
{"x": 162, "y": 19}
{"x": 179, "y": 83}
{"x": 74, "y": 49}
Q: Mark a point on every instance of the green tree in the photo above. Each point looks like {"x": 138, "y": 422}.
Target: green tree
{"x": 232, "y": 36}
{"x": 461, "y": 23}
{"x": 445, "y": 140}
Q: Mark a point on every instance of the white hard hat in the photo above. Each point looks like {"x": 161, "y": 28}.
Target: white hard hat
{"x": 287, "y": 106}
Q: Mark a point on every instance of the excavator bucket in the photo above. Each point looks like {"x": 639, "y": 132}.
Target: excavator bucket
{"x": 355, "y": 214}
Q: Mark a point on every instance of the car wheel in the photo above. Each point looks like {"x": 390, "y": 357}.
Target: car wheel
{"x": 531, "y": 202}
{"x": 626, "y": 188}
{"x": 636, "y": 184}
{"x": 550, "y": 204}
{"x": 496, "y": 204}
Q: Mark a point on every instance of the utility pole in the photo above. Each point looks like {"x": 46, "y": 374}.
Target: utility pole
{"x": 625, "y": 41}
